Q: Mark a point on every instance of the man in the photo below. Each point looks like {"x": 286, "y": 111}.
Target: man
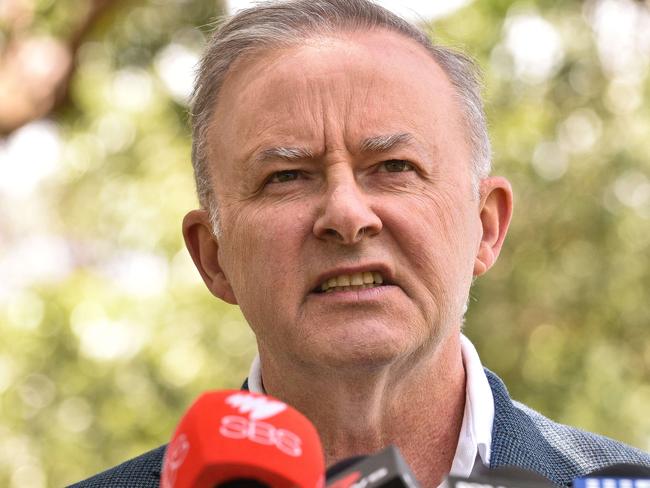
{"x": 342, "y": 165}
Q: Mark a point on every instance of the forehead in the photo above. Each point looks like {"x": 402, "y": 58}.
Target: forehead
{"x": 330, "y": 93}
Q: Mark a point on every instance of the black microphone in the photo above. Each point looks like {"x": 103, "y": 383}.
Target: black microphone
{"x": 342, "y": 465}
{"x": 502, "y": 477}
{"x": 386, "y": 469}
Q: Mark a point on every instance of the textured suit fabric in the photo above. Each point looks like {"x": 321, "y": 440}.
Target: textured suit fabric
{"x": 520, "y": 437}
{"x": 140, "y": 472}
{"x": 524, "y": 438}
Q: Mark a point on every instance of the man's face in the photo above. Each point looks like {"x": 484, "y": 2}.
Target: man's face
{"x": 345, "y": 159}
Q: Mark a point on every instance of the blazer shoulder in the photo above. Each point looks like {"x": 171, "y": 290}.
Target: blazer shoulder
{"x": 140, "y": 472}
{"x": 525, "y": 438}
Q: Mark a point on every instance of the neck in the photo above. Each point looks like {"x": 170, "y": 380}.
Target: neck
{"x": 415, "y": 405}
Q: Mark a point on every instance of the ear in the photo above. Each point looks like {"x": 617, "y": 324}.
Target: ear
{"x": 495, "y": 214}
{"x": 204, "y": 249}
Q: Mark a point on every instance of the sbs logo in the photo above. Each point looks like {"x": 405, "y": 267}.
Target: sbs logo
{"x": 257, "y": 407}
{"x": 251, "y": 428}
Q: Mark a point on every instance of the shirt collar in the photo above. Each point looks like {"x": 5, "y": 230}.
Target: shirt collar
{"x": 475, "y": 439}
{"x": 255, "y": 377}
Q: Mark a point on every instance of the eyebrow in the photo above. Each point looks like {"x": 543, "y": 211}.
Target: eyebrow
{"x": 284, "y": 153}
{"x": 383, "y": 143}
{"x": 377, "y": 144}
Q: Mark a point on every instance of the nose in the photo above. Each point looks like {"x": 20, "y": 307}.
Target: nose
{"x": 346, "y": 215}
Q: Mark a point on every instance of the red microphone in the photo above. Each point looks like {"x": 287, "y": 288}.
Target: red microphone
{"x": 239, "y": 438}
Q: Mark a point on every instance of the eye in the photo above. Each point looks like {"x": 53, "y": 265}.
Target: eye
{"x": 395, "y": 166}
{"x": 284, "y": 176}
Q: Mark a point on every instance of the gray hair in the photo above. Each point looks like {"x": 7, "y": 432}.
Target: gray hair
{"x": 278, "y": 24}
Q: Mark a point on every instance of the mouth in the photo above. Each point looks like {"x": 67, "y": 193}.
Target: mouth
{"x": 351, "y": 282}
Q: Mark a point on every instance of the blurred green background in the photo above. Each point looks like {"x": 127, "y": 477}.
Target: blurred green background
{"x": 107, "y": 332}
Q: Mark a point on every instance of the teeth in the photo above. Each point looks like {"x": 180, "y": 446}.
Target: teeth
{"x": 355, "y": 281}
{"x": 343, "y": 280}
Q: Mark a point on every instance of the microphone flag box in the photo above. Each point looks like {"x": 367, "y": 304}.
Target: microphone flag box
{"x": 610, "y": 482}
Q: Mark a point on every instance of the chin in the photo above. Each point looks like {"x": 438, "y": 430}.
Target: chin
{"x": 367, "y": 350}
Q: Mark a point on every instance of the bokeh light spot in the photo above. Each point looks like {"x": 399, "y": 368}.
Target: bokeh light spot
{"x": 37, "y": 391}
{"x": 27, "y": 157}
{"x": 74, "y": 414}
{"x": 549, "y": 161}
{"x": 535, "y": 46}
{"x": 25, "y": 310}
{"x": 175, "y": 65}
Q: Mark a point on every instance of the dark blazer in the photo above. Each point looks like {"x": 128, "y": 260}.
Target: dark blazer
{"x": 520, "y": 437}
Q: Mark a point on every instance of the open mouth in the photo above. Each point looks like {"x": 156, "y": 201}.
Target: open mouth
{"x": 351, "y": 282}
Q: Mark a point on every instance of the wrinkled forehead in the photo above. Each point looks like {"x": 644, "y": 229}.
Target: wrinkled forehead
{"x": 334, "y": 90}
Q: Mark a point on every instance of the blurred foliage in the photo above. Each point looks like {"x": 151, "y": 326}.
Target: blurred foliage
{"x": 108, "y": 332}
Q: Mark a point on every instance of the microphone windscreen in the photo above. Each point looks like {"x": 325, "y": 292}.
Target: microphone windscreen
{"x": 243, "y": 437}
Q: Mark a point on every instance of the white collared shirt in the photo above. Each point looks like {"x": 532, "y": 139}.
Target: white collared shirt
{"x": 475, "y": 439}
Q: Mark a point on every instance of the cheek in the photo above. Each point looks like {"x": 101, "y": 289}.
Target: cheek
{"x": 437, "y": 224}
{"x": 436, "y": 234}
{"x": 262, "y": 245}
